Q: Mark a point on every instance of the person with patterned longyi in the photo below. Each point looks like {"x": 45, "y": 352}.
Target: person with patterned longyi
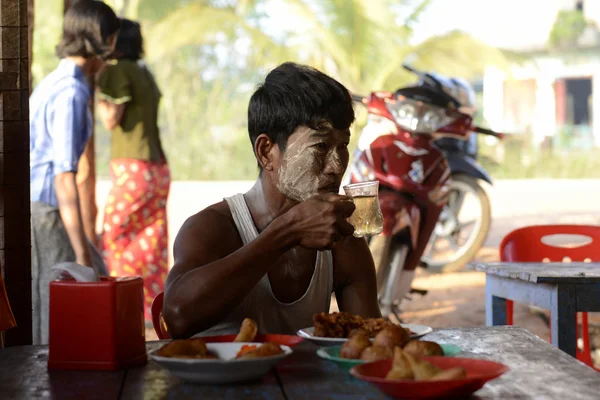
{"x": 134, "y": 240}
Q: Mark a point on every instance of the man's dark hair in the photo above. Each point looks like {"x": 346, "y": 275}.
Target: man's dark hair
{"x": 86, "y": 28}
{"x": 294, "y": 95}
{"x": 130, "y": 44}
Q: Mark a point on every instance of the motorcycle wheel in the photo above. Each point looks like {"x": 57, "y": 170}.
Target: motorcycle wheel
{"x": 449, "y": 228}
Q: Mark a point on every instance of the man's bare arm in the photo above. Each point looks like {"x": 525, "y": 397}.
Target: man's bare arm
{"x": 355, "y": 280}
{"x": 110, "y": 113}
{"x": 70, "y": 213}
{"x": 208, "y": 280}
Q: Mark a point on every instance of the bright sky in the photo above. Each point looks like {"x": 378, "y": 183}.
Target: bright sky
{"x": 502, "y": 23}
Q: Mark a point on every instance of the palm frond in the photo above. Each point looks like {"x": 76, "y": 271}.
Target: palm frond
{"x": 197, "y": 24}
{"x": 328, "y": 40}
{"x": 458, "y": 53}
{"x": 416, "y": 13}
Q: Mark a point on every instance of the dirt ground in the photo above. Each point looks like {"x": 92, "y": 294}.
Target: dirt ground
{"x": 458, "y": 299}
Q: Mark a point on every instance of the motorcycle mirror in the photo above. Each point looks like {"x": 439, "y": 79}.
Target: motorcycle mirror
{"x": 411, "y": 69}
{"x": 489, "y": 132}
{"x": 427, "y": 78}
{"x": 359, "y": 98}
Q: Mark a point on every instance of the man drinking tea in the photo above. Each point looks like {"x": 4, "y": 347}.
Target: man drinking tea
{"x": 276, "y": 253}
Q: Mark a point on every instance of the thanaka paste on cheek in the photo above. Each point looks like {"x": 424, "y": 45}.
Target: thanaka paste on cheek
{"x": 300, "y": 169}
{"x": 334, "y": 161}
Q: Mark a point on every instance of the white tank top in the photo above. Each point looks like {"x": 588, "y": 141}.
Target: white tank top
{"x": 271, "y": 315}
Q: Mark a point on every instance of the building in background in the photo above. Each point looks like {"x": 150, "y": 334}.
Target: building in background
{"x": 553, "y": 92}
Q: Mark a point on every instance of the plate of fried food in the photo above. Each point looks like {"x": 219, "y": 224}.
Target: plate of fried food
{"x": 194, "y": 360}
{"x": 431, "y": 377}
{"x": 335, "y": 328}
{"x": 249, "y": 333}
{"x": 359, "y": 349}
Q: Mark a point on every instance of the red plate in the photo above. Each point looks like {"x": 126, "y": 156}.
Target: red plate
{"x": 478, "y": 373}
{"x": 286, "y": 340}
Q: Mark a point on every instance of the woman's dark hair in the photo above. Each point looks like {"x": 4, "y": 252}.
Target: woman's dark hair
{"x": 294, "y": 95}
{"x": 130, "y": 44}
{"x": 86, "y": 28}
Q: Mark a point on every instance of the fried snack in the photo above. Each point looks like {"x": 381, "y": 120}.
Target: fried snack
{"x": 354, "y": 347}
{"x": 376, "y": 353}
{"x": 450, "y": 374}
{"x": 267, "y": 349}
{"x": 355, "y": 332}
{"x": 375, "y": 325}
{"x": 401, "y": 368}
{"x": 185, "y": 348}
{"x": 406, "y": 366}
{"x": 247, "y": 348}
{"x": 340, "y": 325}
{"x": 336, "y": 325}
{"x": 420, "y": 348}
{"x": 391, "y": 337}
{"x": 248, "y": 331}
{"x": 422, "y": 369}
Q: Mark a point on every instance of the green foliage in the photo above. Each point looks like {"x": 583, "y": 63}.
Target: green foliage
{"x": 568, "y": 27}
{"x": 48, "y": 26}
{"x": 517, "y": 157}
{"x": 557, "y": 166}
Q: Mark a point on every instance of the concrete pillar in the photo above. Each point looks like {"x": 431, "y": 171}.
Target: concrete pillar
{"x": 15, "y": 234}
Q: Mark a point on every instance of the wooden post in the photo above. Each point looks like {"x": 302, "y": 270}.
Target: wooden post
{"x": 30, "y": 25}
{"x": 15, "y": 214}
{"x": 86, "y": 175}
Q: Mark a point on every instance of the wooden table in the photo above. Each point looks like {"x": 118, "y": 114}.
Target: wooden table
{"x": 537, "y": 370}
{"x": 562, "y": 288}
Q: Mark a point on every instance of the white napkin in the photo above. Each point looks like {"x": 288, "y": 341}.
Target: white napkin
{"x": 71, "y": 270}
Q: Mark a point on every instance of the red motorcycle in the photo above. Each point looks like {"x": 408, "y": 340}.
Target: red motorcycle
{"x": 396, "y": 148}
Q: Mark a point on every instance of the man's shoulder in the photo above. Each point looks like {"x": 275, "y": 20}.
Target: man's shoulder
{"x": 214, "y": 224}
{"x": 205, "y": 237}
{"x": 216, "y": 218}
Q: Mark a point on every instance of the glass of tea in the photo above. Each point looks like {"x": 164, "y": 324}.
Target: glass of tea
{"x": 367, "y": 218}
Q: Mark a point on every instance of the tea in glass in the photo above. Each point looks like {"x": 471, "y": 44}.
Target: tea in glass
{"x": 367, "y": 218}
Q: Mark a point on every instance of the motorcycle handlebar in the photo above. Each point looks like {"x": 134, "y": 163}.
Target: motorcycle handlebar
{"x": 489, "y": 132}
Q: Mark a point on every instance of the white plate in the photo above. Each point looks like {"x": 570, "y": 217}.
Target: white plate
{"x": 224, "y": 370}
{"x": 308, "y": 334}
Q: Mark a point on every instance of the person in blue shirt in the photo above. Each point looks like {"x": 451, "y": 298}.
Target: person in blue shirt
{"x": 60, "y": 127}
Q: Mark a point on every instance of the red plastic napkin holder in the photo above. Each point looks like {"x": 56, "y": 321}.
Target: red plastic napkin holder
{"x": 97, "y": 325}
